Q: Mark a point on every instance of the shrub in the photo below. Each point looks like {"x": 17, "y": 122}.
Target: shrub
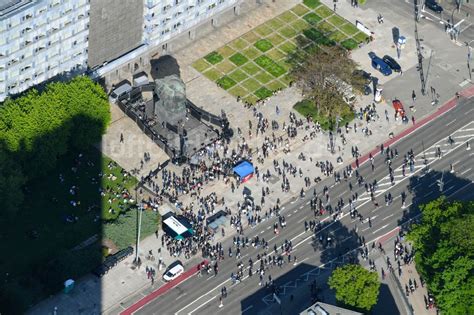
{"x": 263, "y": 45}
{"x": 214, "y": 57}
{"x": 238, "y": 59}
{"x": 311, "y": 3}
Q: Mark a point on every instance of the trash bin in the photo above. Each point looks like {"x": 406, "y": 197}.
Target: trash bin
{"x": 68, "y": 285}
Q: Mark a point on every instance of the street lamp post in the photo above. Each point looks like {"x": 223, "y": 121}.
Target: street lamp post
{"x": 139, "y": 215}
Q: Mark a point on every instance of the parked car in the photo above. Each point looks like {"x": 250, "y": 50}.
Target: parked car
{"x": 392, "y": 63}
{"x": 433, "y": 6}
{"x": 399, "y": 110}
{"x": 380, "y": 65}
{"x": 173, "y": 271}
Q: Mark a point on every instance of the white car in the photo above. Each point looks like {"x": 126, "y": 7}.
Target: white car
{"x": 173, "y": 271}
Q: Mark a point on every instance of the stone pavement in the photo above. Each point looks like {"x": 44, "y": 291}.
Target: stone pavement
{"x": 124, "y": 285}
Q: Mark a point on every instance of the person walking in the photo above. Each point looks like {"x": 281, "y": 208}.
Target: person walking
{"x": 413, "y": 96}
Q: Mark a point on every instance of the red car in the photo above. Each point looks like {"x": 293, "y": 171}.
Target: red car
{"x": 399, "y": 110}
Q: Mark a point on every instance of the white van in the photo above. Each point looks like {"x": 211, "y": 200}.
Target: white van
{"x": 173, "y": 271}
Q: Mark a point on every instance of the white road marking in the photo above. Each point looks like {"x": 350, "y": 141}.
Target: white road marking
{"x": 449, "y": 123}
{"x": 247, "y": 308}
{"x": 389, "y": 216}
{"x": 202, "y": 304}
{"x": 427, "y": 194}
{"x": 465, "y": 171}
{"x": 383, "y": 227}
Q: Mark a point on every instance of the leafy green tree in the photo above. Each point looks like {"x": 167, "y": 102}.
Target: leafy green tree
{"x": 444, "y": 256}
{"x": 355, "y": 286}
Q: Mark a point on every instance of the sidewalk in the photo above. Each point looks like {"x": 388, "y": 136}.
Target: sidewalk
{"x": 124, "y": 285}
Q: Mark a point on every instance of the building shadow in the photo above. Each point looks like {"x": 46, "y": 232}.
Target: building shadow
{"x": 385, "y": 303}
{"x": 51, "y": 224}
{"x": 164, "y": 66}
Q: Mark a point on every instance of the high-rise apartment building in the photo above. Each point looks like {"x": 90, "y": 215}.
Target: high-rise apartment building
{"x": 40, "y": 39}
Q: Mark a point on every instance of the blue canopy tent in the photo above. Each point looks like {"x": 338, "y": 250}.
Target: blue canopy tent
{"x": 244, "y": 170}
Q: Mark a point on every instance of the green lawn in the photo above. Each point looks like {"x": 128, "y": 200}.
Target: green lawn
{"x": 263, "y": 45}
{"x": 337, "y": 36}
{"x": 225, "y": 66}
{"x": 270, "y": 66}
{"x": 276, "y": 85}
{"x": 276, "y": 54}
{"x": 251, "y": 37}
{"x": 212, "y": 74}
{"x": 287, "y": 47}
{"x": 300, "y": 25}
{"x": 238, "y": 59}
{"x": 274, "y": 23}
{"x": 201, "y": 65}
{"x": 238, "y": 91}
{"x": 313, "y": 34}
{"x": 311, "y": 3}
{"x": 349, "y": 44}
{"x": 263, "y": 77}
{"x": 288, "y": 32}
{"x": 323, "y": 11}
{"x": 326, "y": 27}
{"x": 214, "y": 58}
{"x": 263, "y": 93}
{"x": 251, "y": 52}
{"x": 360, "y": 37}
{"x": 238, "y": 75}
{"x": 226, "y": 51}
{"x": 239, "y": 44}
{"x": 276, "y": 39}
{"x": 349, "y": 28}
{"x": 263, "y": 30}
{"x": 225, "y": 82}
{"x": 312, "y": 18}
{"x": 250, "y": 84}
{"x": 337, "y": 20}
{"x": 251, "y": 68}
{"x": 299, "y": 10}
{"x": 288, "y": 17}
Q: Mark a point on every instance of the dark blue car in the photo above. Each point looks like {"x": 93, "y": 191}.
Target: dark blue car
{"x": 380, "y": 65}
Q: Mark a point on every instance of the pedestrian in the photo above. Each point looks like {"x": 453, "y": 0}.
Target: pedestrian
{"x": 413, "y": 96}
{"x": 413, "y": 119}
{"x": 121, "y": 137}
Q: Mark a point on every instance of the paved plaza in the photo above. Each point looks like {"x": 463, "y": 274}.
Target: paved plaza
{"x": 124, "y": 285}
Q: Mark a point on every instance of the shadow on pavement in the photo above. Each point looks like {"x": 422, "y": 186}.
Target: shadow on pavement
{"x": 164, "y": 66}
{"x": 386, "y": 303}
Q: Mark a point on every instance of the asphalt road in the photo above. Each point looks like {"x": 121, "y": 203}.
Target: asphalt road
{"x": 201, "y": 295}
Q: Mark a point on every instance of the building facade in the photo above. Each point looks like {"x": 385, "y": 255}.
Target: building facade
{"x": 40, "y": 39}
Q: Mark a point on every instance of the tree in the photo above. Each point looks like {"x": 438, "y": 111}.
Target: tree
{"x": 355, "y": 286}
{"x": 444, "y": 255}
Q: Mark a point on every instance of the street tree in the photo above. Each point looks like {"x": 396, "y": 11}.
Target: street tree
{"x": 316, "y": 76}
{"x": 444, "y": 253}
{"x": 355, "y": 286}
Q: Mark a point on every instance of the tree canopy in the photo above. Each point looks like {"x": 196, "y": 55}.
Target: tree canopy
{"x": 37, "y": 128}
{"x": 355, "y": 286}
{"x": 444, "y": 256}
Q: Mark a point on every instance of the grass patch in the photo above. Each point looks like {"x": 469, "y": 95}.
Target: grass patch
{"x": 349, "y": 29}
{"x": 311, "y": 3}
{"x": 251, "y": 99}
{"x": 336, "y": 20}
{"x": 275, "y": 85}
{"x": 225, "y": 82}
{"x": 302, "y": 41}
{"x": 326, "y": 27}
{"x": 251, "y": 52}
{"x": 239, "y": 44}
{"x": 288, "y": 17}
{"x": 299, "y": 10}
{"x": 263, "y": 93}
{"x": 212, "y": 74}
{"x": 349, "y": 44}
{"x": 225, "y": 67}
{"x": 201, "y": 65}
{"x": 324, "y": 12}
{"x": 286, "y": 79}
{"x": 360, "y": 37}
{"x": 238, "y": 75}
{"x": 214, "y": 58}
{"x": 238, "y": 91}
{"x": 287, "y": 47}
{"x": 324, "y": 41}
{"x": 263, "y": 77}
{"x": 263, "y": 30}
{"x": 276, "y": 39}
{"x": 337, "y": 36}
{"x": 312, "y": 49}
{"x": 270, "y": 66}
{"x": 251, "y": 68}
{"x": 300, "y": 25}
{"x": 276, "y": 54}
{"x": 313, "y": 34}
{"x": 238, "y": 59}
{"x": 312, "y": 18}
{"x": 274, "y": 23}
{"x": 288, "y": 32}
{"x": 250, "y": 37}
{"x": 226, "y": 51}
{"x": 123, "y": 230}
{"x": 251, "y": 85}
{"x": 308, "y": 108}
{"x": 263, "y": 45}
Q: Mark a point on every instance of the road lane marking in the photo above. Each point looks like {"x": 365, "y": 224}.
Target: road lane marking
{"x": 383, "y": 227}
{"x": 465, "y": 171}
{"x": 247, "y": 308}
{"x": 388, "y": 216}
{"x": 454, "y": 120}
{"x": 202, "y": 304}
